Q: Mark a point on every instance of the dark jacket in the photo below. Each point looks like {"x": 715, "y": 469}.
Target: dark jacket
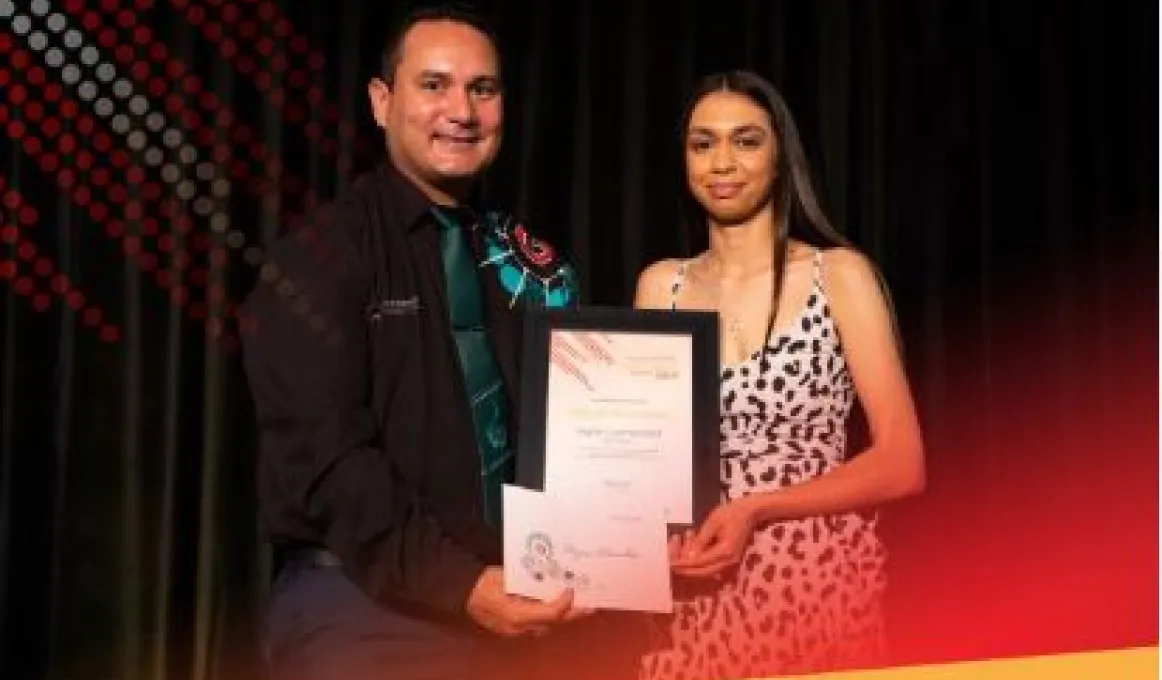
{"x": 367, "y": 445}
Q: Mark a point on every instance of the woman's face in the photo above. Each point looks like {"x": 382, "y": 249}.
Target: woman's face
{"x": 731, "y": 151}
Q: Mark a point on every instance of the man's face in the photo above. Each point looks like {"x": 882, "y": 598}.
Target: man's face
{"x": 443, "y": 113}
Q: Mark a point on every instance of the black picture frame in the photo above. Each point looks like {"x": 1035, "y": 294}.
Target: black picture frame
{"x": 703, "y": 329}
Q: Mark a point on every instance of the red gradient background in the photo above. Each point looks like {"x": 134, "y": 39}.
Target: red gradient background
{"x": 1038, "y": 532}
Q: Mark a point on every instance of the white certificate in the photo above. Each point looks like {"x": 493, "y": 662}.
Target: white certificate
{"x": 619, "y": 419}
{"x": 618, "y": 445}
{"x": 612, "y": 557}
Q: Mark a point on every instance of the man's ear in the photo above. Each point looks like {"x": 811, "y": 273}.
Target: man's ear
{"x": 379, "y": 96}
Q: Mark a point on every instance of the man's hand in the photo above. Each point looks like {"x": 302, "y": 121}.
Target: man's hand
{"x": 509, "y": 615}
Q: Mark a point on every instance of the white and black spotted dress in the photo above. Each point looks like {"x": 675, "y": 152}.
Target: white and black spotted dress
{"x": 807, "y": 594}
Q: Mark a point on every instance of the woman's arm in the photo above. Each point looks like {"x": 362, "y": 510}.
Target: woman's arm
{"x": 891, "y": 467}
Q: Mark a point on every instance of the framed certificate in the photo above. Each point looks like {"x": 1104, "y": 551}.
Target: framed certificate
{"x": 620, "y": 407}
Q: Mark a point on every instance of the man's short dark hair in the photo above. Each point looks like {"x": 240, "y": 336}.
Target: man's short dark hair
{"x": 456, "y": 12}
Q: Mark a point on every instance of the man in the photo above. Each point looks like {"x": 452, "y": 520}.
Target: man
{"x": 383, "y": 365}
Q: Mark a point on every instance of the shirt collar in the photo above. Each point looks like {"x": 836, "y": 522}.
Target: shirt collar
{"x": 412, "y": 206}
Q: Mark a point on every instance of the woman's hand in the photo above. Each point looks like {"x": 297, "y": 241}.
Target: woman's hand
{"x": 678, "y": 544}
{"x": 719, "y": 543}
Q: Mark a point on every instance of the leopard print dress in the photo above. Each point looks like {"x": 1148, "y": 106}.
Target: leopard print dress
{"x": 806, "y": 596}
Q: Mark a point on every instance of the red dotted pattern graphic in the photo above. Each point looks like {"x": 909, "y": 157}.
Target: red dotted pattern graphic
{"x": 33, "y": 275}
{"x": 151, "y": 65}
{"x": 97, "y": 177}
{"x": 99, "y": 173}
{"x": 250, "y": 34}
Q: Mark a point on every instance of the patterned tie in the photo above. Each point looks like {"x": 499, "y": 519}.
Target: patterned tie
{"x": 481, "y": 373}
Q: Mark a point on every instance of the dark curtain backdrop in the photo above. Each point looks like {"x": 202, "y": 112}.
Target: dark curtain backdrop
{"x": 997, "y": 159}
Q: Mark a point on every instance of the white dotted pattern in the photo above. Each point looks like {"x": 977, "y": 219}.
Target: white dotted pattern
{"x": 107, "y": 91}
{"x": 110, "y": 95}
{"x": 56, "y": 22}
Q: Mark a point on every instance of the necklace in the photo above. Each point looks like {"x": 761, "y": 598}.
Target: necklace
{"x": 735, "y": 328}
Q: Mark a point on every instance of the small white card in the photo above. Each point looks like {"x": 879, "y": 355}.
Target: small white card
{"x": 613, "y": 557}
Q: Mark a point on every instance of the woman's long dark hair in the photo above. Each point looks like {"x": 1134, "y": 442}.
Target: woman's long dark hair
{"x": 797, "y": 209}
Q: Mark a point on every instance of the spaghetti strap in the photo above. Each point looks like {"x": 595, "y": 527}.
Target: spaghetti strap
{"x": 676, "y": 285}
{"x": 817, "y": 269}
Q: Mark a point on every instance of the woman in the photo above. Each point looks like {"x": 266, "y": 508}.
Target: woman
{"x": 807, "y": 329}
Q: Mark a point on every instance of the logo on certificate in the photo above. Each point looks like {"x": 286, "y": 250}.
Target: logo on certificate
{"x": 541, "y": 565}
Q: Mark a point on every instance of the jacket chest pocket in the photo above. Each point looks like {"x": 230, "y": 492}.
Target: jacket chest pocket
{"x": 395, "y": 344}
{"x": 394, "y": 338}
